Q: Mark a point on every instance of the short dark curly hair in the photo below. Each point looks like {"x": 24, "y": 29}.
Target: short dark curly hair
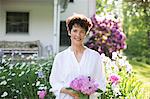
{"x": 80, "y": 20}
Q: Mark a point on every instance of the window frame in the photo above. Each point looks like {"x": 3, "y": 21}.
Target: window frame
{"x": 26, "y": 20}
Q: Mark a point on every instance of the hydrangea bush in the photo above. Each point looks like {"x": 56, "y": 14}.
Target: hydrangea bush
{"x": 107, "y": 36}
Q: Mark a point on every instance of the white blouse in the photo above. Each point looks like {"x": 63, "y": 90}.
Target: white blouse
{"x": 66, "y": 68}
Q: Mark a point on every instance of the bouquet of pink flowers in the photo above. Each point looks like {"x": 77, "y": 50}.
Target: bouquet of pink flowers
{"x": 84, "y": 86}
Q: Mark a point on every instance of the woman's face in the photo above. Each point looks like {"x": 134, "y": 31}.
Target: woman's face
{"x": 77, "y": 35}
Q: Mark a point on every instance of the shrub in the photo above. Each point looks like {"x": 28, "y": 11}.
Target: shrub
{"x": 24, "y": 79}
{"x": 107, "y": 36}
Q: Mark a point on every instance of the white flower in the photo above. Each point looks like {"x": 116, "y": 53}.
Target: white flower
{"x": 103, "y": 56}
{"x": 1, "y": 67}
{"x": 51, "y": 90}
{"x": 115, "y": 89}
{"x": 3, "y": 77}
{"x": 27, "y": 71}
{"x": 4, "y": 56}
{"x": 13, "y": 74}
{"x": 4, "y": 94}
{"x": 128, "y": 67}
{"x": 33, "y": 62}
{"x": 124, "y": 57}
{"x": 9, "y": 59}
{"x": 3, "y": 82}
{"x": 116, "y": 69}
{"x": 13, "y": 84}
{"x": 21, "y": 73}
{"x": 3, "y": 60}
{"x": 42, "y": 87}
{"x": 114, "y": 55}
{"x": 8, "y": 79}
{"x": 108, "y": 65}
{"x": 37, "y": 83}
{"x": 5, "y": 70}
{"x": 22, "y": 56}
{"x": 11, "y": 66}
{"x": 23, "y": 64}
{"x": 33, "y": 84}
{"x": 24, "y": 85}
{"x": 17, "y": 91}
{"x": 35, "y": 56}
{"x": 121, "y": 62}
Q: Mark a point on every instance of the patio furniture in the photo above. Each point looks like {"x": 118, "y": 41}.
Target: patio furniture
{"x": 27, "y": 47}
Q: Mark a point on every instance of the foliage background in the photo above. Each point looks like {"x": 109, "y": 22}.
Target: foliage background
{"x": 137, "y": 27}
{"x": 135, "y": 16}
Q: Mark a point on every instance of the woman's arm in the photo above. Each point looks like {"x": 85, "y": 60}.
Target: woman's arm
{"x": 69, "y": 92}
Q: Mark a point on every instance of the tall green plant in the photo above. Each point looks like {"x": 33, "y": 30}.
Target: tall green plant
{"x": 137, "y": 26}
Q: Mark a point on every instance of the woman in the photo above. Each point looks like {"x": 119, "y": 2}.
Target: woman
{"x": 76, "y": 60}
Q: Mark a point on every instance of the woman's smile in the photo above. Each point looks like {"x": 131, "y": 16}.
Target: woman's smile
{"x": 77, "y": 39}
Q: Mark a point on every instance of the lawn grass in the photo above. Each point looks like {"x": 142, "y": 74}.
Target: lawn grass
{"x": 142, "y": 72}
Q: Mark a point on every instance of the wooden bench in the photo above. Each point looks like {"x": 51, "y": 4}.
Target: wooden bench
{"x": 28, "y": 47}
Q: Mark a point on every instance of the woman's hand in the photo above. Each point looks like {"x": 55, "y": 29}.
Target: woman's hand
{"x": 76, "y": 97}
{"x": 70, "y": 92}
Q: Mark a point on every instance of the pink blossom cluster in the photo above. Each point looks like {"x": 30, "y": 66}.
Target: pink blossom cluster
{"x": 41, "y": 94}
{"x": 114, "y": 78}
{"x": 107, "y": 35}
{"x": 84, "y": 84}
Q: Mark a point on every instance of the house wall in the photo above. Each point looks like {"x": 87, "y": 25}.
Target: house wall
{"x": 86, "y": 7}
{"x": 40, "y": 20}
{"x": 0, "y": 17}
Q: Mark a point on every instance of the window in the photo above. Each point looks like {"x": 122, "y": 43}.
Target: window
{"x": 17, "y": 22}
{"x": 64, "y": 38}
{"x": 71, "y": 1}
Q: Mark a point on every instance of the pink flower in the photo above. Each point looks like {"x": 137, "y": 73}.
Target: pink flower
{"x": 114, "y": 78}
{"x": 41, "y": 94}
{"x": 84, "y": 84}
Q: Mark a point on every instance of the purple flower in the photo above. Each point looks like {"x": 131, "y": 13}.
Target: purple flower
{"x": 40, "y": 74}
{"x": 107, "y": 34}
{"x": 84, "y": 84}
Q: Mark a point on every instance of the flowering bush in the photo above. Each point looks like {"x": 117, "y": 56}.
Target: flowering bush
{"x": 107, "y": 36}
{"x": 29, "y": 79}
{"x": 24, "y": 79}
{"x": 121, "y": 82}
{"x": 84, "y": 86}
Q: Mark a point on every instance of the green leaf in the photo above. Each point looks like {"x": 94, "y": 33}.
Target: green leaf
{"x": 99, "y": 91}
